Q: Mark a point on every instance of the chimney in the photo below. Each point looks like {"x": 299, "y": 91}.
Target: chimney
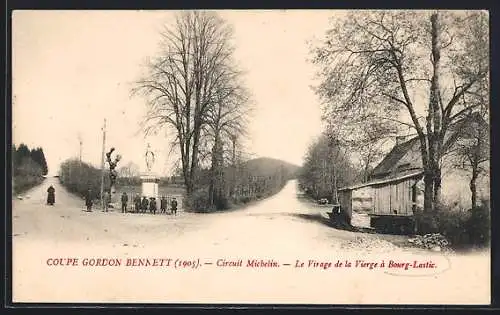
{"x": 400, "y": 139}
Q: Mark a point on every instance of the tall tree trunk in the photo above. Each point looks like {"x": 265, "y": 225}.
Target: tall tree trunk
{"x": 428, "y": 193}
{"x": 473, "y": 186}
{"x": 215, "y": 189}
{"x": 194, "y": 156}
{"x": 432, "y": 174}
{"x": 435, "y": 108}
{"x": 431, "y": 156}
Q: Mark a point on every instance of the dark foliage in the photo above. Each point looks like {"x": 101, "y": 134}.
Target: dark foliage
{"x": 78, "y": 177}
{"x": 464, "y": 228}
{"x": 28, "y": 167}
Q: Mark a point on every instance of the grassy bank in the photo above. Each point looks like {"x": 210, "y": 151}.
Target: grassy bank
{"x": 21, "y": 184}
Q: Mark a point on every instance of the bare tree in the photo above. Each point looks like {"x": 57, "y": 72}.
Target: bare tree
{"x": 226, "y": 121}
{"x": 182, "y": 81}
{"x": 471, "y": 152}
{"x": 326, "y": 167}
{"x": 381, "y": 66}
{"x": 129, "y": 170}
{"x": 365, "y": 140}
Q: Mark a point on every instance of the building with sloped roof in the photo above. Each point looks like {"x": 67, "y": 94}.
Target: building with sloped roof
{"x": 396, "y": 183}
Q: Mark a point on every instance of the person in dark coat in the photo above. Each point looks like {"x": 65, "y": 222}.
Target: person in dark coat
{"x": 137, "y": 203}
{"x": 163, "y": 205}
{"x": 51, "y": 195}
{"x": 88, "y": 200}
{"x": 152, "y": 205}
{"x": 145, "y": 204}
{"x": 173, "y": 206}
{"x": 124, "y": 202}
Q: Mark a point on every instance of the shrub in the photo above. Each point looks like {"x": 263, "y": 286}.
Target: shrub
{"x": 452, "y": 223}
{"x": 222, "y": 203}
{"x": 22, "y": 183}
{"x": 78, "y": 177}
{"x": 27, "y": 174}
{"x": 479, "y": 225}
{"x": 427, "y": 223}
{"x": 245, "y": 200}
{"x": 198, "y": 201}
{"x": 464, "y": 228}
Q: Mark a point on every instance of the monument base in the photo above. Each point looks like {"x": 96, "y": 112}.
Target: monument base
{"x": 114, "y": 201}
{"x": 149, "y": 186}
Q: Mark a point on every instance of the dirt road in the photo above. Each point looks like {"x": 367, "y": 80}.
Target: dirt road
{"x": 282, "y": 231}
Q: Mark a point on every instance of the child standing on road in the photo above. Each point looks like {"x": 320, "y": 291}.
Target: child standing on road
{"x": 124, "y": 202}
{"x": 173, "y": 206}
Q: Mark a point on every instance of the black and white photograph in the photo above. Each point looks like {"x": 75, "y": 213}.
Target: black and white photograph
{"x": 319, "y": 157}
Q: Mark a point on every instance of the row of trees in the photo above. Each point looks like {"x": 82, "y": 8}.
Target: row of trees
{"x": 28, "y": 167}
{"x": 382, "y": 71}
{"x": 25, "y": 160}
{"x": 195, "y": 90}
{"x": 239, "y": 184}
{"x": 327, "y": 167}
{"x": 78, "y": 177}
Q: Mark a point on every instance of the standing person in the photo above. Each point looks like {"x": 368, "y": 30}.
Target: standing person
{"x": 106, "y": 200}
{"x": 51, "y": 195}
{"x": 145, "y": 204}
{"x": 124, "y": 202}
{"x": 152, "y": 205}
{"x": 173, "y": 206}
{"x": 163, "y": 204}
{"x": 88, "y": 200}
{"x": 137, "y": 203}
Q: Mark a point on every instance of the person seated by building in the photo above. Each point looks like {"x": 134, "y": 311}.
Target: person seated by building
{"x": 173, "y": 206}
{"x": 124, "y": 202}
{"x": 145, "y": 204}
{"x": 163, "y": 204}
{"x": 152, "y": 205}
{"x": 137, "y": 203}
{"x": 51, "y": 195}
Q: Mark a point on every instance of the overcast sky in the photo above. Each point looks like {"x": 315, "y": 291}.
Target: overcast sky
{"x": 72, "y": 69}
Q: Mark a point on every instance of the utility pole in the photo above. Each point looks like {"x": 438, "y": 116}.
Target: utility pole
{"x": 233, "y": 186}
{"x": 81, "y": 142}
{"x": 102, "y": 161}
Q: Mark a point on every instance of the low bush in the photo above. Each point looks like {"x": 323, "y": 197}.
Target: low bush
{"x": 463, "y": 228}
{"x": 479, "y": 225}
{"x": 78, "y": 177}
{"x": 22, "y": 183}
{"x": 222, "y": 203}
{"x": 26, "y": 174}
{"x": 245, "y": 200}
{"x": 198, "y": 201}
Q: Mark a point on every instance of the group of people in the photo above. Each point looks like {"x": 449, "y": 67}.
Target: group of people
{"x": 141, "y": 205}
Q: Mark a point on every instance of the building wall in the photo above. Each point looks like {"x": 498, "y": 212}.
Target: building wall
{"x": 394, "y": 198}
{"x": 455, "y": 182}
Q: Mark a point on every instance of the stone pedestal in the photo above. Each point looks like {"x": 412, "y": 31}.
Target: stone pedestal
{"x": 150, "y": 186}
{"x": 114, "y": 196}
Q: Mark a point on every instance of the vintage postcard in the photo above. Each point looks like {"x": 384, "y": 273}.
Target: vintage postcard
{"x": 251, "y": 156}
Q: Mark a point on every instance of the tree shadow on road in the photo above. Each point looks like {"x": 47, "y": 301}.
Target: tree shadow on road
{"x": 395, "y": 239}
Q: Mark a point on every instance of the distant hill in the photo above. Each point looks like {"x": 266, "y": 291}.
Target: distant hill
{"x": 266, "y": 166}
